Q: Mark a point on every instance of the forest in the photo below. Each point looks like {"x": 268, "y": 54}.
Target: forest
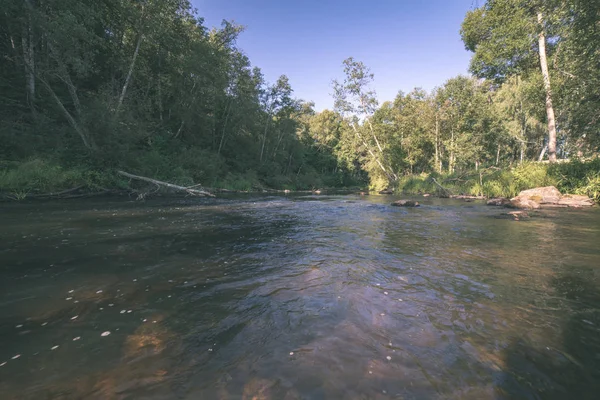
{"x": 92, "y": 87}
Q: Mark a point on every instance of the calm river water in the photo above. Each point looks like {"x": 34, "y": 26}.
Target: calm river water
{"x": 307, "y": 297}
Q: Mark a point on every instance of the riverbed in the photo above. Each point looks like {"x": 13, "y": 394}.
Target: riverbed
{"x": 297, "y": 297}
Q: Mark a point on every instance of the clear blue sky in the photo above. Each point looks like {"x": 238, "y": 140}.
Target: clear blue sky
{"x": 406, "y": 43}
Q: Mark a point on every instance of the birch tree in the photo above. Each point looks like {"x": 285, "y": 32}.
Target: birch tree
{"x": 509, "y": 37}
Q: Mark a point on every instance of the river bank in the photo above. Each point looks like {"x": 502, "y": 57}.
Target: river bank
{"x": 39, "y": 180}
{"x": 575, "y": 177}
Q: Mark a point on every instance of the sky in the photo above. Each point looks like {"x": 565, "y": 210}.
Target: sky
{"x": 405, "y": 43}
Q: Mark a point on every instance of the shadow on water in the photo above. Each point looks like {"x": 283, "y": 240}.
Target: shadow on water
{"x": 297, "y": 298}
{"x": 572, "y": 369}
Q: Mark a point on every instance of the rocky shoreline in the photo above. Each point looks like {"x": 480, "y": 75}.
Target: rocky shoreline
{"x": 542, "y": 197}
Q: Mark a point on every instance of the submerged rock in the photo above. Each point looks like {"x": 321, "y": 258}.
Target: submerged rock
{"x": 514, "y": 215}
{"x": 386, "y": 191}
{"x": 406, "y": 203}
{"x": 523, "y": 203}
{"x": 498, "y": 201}
{"x": 572, "y": 200}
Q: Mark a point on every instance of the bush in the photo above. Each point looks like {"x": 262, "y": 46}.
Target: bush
{"x": 578, "y": 177}
{"x": 39, "y": 176}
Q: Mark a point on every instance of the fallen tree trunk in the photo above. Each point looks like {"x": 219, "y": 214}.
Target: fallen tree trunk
{"x": 445, "y": 192}
{"x": 189, "y": 190}
{"x": 56, "y": 194}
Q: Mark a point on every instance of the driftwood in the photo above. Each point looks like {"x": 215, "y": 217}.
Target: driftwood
{"x": 56, "y": 194}
{"x": 189, "y": 190}
{"x": 467, "y": 197}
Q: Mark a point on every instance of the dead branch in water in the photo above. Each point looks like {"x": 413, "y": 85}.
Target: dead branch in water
{"x": 188, "y": 190}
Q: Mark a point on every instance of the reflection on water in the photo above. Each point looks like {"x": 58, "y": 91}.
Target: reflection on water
{"x": 297, "y": 298}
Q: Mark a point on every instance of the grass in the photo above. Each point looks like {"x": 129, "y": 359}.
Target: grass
{"x": 575, "y": 177}
{"x": 20, "y": 180}
{"x": 37, "y": 176}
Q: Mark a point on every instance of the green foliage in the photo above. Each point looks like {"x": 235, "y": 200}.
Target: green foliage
{"x": 89, "y": 88}
{"x": 531, "y": 175}
{"x": 575, "y": 177}
{"x": 39, "y": 175}
{"x": 578, "y": 177}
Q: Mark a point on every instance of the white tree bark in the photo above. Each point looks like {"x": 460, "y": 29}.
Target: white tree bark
{"x": 79, "y": 129}
{"x": 188, "y": 190}
{"x": 371, "y": 152}
{"x": 131, "y": 66}
{"x": 29, "y": 60}
{"x": 548, "y": 88}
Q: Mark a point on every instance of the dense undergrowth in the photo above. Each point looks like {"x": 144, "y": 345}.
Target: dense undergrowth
{"x": 575, "y": 177}
{"x": 19, "y": 180}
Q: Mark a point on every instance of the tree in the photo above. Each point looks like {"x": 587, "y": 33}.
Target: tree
{"x": 512, "y": 102}
{"x": 505, "y": 36}
{"x": 354, "y": 98}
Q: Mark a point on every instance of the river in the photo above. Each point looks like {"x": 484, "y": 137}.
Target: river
{"x": 301, "y": 297}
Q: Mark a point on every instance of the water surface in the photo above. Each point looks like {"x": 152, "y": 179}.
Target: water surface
{"x": 308, "y": 297}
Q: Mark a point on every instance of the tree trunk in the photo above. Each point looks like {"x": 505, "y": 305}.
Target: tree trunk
{"x": 80, "y": 130}
{"x": 374, "y": 136}
{"x": 385, "y": 171}
{"x": 66, "y": 78}
{"x": 264, "y": 141}
{"x": 189, "y": 190}
{"x": 135, "y": 54}
{"x": 225, "y": 127}
{"x": 437, "y": 143}
{"x": 522, "y": 152}
{"x": 543, "y": 153}
{"x": 498, "y": 155}
{"x": 548, "y": 88}
{"x": 451, "y": 162}
{"x": 29, "y": 60}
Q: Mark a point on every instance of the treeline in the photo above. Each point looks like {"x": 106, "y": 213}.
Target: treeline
{"x": 534, "y": 95}
{"x": 93, "y": 86}
{"x": 98, "y": 85}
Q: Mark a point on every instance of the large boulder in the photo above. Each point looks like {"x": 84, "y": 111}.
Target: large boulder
{"x": 542, "y": 195}
{"x": 577, "y": 201}
{"x": 405, "y": 203}
{"x": 548, "y": 197}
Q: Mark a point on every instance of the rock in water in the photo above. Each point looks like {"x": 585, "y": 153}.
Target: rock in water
{"x": 405, "y": 203}
{"x": 542, "y": 195}
{"x": 386, "y": 191}
{"x": 514, "y": 215}
{"x": 572, "y": 200}
{"x": 548, "y": 196}
{"x": 523, "y": 203}
{"x": 499, "y": 201}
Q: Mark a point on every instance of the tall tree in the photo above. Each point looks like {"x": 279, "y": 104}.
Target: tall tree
{"x": 354, "y": 98}
{"x": 509, "y": 37}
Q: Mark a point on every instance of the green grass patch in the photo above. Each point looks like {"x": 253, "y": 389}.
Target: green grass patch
{"x": 575, "y": 177}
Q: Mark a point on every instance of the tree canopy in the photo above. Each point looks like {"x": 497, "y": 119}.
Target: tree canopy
{"x": 146, "y": 86}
